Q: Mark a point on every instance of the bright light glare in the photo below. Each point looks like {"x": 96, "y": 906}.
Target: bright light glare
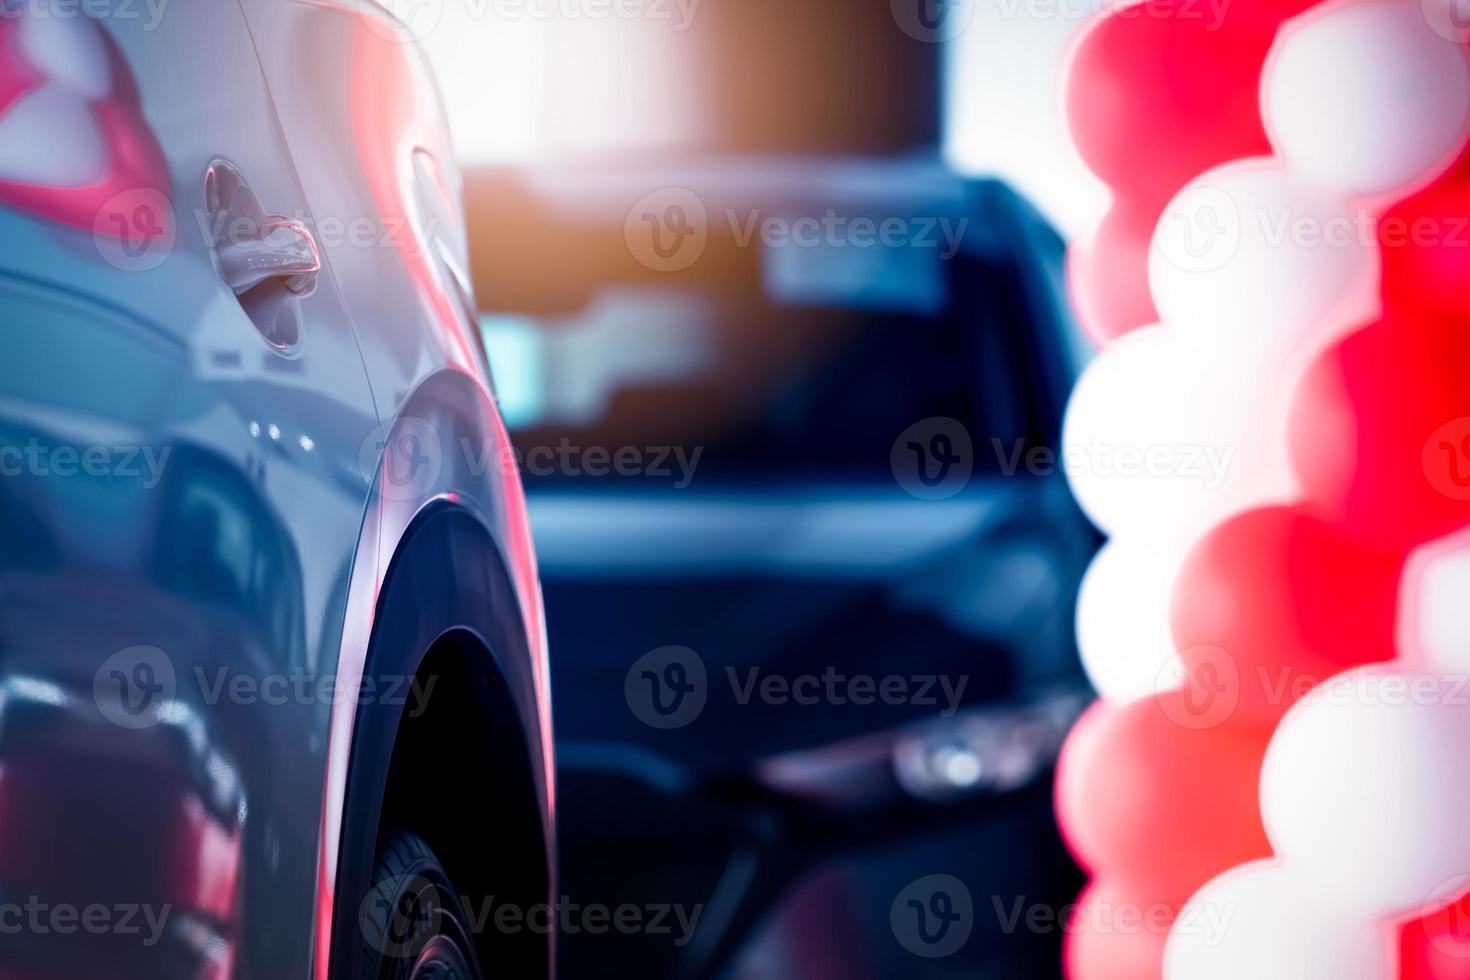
{"x": 961, "y": 768}
{"x": 517, "y": 363}
{"x": 533, "y": 89}
{"x": 529, "y": 89}
{"x": 1003, "y": 107}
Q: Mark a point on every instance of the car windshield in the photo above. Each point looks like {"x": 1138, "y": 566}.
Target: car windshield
{"x": 774, "y": 387}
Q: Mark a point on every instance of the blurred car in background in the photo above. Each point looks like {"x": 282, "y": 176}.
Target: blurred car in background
{"x": 778, "y": 418}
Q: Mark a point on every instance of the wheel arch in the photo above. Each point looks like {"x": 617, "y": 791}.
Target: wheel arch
{"x": 448, "y": 617}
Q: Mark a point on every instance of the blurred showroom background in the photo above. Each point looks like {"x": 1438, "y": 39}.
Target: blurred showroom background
{"x": 539, "y": 89}
{"x": 820, "y": 476}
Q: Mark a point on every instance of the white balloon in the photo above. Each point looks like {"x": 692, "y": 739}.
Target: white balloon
{"x": 1264, "y": 260}
{"x": 1366, "y": 97}
{"x": 1255, "y": 922}
{"x": 1443, "y": 613}
{"x": 1166, "y": 435}
{"x": 1121, "y": 400}
{"x": 1365, "y": 787}
{"x": 1123, "y": 632}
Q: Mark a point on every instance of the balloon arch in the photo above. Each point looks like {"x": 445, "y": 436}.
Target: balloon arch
{"x": 1281, "y": 755}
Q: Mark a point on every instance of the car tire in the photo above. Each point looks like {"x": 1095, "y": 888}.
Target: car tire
{"x": 414, "y": 926}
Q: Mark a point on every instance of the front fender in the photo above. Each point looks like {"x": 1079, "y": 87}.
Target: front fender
{"x": 446, "y": 547}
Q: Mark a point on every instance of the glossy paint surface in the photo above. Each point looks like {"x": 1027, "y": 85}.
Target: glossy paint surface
{"x": 194, "y": 522}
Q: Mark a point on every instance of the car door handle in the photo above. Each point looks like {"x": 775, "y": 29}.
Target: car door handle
{"x": 270, "y": 263}
{"x": 281, "y": 248}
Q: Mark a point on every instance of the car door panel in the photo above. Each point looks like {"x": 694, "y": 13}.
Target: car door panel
{"x": 183, "y": 505}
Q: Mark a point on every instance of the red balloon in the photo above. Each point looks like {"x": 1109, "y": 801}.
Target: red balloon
{"x": 1380, "y": 430}
{"x": 1164, "y": 805}
{"x": 1107, "y": 273}
{"x": 1155, "y": 94}
{"x": 1117, "y": 933}
{"x": 1160, "y": 91}
{"x": 1437, "y": 946}
{"x": 1424, "y": 242}
{"x": 1274, "y": 601}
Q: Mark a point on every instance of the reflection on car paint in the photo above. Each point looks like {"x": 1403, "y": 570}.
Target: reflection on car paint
{"x": 74, "y": 146}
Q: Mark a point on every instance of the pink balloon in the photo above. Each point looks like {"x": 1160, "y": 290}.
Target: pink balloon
{"x": 1155, "y": 94}
{"x": 1166, "y": 806}
{"x": 1100, "y": 946}
{"x": 1108, "y": 272}
{"x": 1274, "y": 602}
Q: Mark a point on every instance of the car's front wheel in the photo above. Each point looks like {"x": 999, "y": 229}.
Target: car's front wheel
{"x": 413, "y": 921}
